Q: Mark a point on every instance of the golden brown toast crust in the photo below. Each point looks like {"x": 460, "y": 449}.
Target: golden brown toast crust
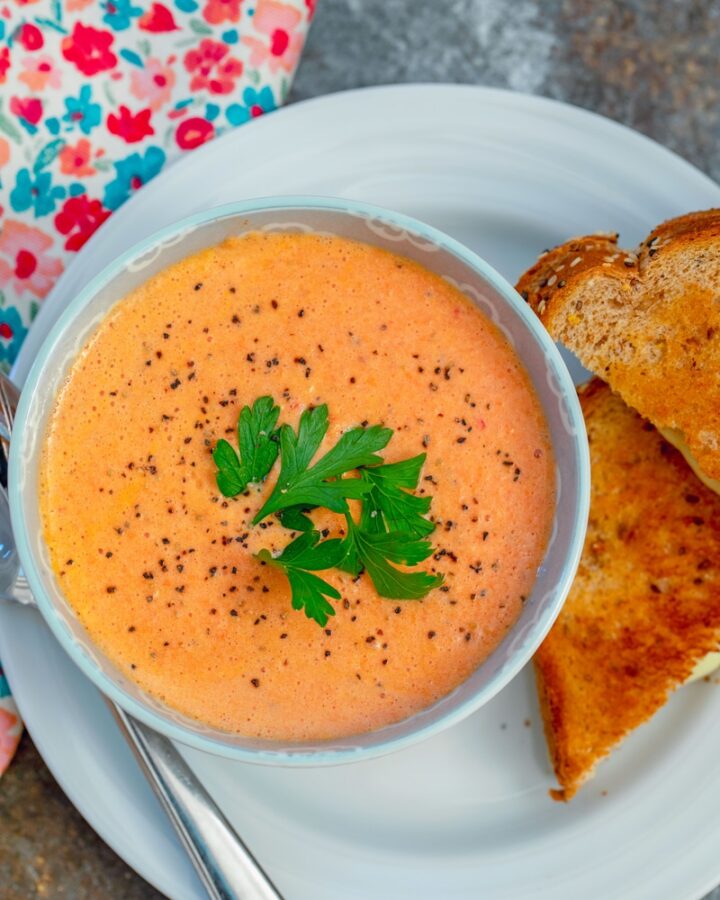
{"x": 558, "y": 271}
{"x": 645, "y": 605}
{"x": 696, "y": 226}
{"x": 646, "y": 321}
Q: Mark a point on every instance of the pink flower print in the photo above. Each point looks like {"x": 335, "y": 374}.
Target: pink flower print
{"x": 80, "y": 218}
{"x": 75, "y": 5}
{"x": 40, "y": 72}
{"x": 212, "y": 68}
{"x": 217, "y": 11}
{"x": 131, "y": 127}
{"x": 193, "y": 132}
{"x": 158, "y": 19}
{"x": 4, "y": 64}
{"x": 75, "y": 159}
{"x": 9, "y": 737}
{"x": 24, "y": 260}
{"x": 4, "y": 152}
{"x": 153, "y": 83}
{"x": 89, "y": 49}
{"x": 27, "y": 108}
{"x": 30, "y": 37}
{"x": 281, "y": 47}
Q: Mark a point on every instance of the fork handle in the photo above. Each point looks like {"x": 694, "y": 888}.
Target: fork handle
{"x": 9, "y": 399}
{"x": 226, "y": 867}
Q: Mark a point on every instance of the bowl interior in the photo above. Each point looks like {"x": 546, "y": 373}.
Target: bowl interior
{"x": 389, "y": 231}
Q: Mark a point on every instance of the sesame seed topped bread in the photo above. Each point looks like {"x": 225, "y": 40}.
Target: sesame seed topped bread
{"x": 647, "y": 322}
{"x": 645, "y": 605}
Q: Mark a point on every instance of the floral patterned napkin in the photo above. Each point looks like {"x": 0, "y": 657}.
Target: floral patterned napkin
{"x": 96, "y": 98}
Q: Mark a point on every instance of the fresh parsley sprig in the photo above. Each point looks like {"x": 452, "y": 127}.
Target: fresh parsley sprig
{"x": 299, "y": 560}
{"x": 375, "y": 551}
{"x": 390, "y": 506}
{"x": 322, "y": 484}
{"x": 259, "y": 447}
{"x": 392, "y": 525}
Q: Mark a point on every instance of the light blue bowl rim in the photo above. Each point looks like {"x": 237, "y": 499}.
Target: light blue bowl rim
{"x": 313, "y": 757}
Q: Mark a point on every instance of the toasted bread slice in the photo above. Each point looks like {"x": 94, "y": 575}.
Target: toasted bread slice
{"x": 647, "y": 322}
{"x": 645, "y": 605}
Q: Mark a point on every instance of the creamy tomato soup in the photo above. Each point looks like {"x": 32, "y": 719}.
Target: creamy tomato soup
{"x": 159, "y": 566}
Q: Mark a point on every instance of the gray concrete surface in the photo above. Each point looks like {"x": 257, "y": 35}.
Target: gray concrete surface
{"x": 652, "y": 64}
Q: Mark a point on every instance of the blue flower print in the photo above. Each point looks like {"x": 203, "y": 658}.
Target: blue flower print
{"x": 81, "y": 112}
{"x": 12, "y": 334}
{"x": 263, "y": 98}
{"x": 120, "y": 13}
{"x": 237, "y": 115}
{"x": 130, "y": 174}
{"x": 36, "y": 192}
{"x": 254, "y": 103}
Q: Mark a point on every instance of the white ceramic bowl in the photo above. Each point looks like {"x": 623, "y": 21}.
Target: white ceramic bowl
{"x": 381, "y": 228}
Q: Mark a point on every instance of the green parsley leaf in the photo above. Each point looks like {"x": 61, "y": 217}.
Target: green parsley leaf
{"x": 306, "y": 553}
{"x": 376, "y": 551}
{"x": 258, "y": 443}
{"x": 231, "y": 477}
{"x": 295, "y": 519}
{"x": 391, "y": 508}
{"x": 400, "y": 547}
{"x": 322, "y": 484}
{"x": 298, "y": 560}
{"x": 309, "y": 592}
{"x": 403, "y": 474}
{"x": 351, "y": 561}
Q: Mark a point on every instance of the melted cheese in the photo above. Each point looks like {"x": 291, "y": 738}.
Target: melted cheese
{"x": 677, "y": 439}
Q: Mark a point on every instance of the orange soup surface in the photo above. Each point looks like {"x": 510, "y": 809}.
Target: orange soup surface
{"x": 159, "y": 566}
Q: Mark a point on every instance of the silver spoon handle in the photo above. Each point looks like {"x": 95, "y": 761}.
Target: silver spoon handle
{"x": 227, "y": 868}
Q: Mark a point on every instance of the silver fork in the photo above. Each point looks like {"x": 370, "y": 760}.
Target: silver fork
{"x": 226, "y": 867}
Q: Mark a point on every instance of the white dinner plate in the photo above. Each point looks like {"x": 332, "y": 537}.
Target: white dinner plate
{"x": 467, "y": 813}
